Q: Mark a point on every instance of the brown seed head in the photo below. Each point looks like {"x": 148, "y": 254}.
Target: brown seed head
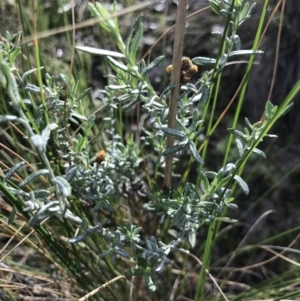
{"x": 184, "y": 79}
{"x": 194, "y": 69}
{"x": 186, "y": 63}
{"x": 169, "y": 69}
{"x": 187, "y": 70}
{"x": 100, "y": 156}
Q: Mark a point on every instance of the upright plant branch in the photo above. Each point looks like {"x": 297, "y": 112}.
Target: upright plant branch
{"x": 175, "y": 80}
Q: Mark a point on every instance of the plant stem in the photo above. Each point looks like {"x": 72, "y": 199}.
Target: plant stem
{"x": 175, "y": 80}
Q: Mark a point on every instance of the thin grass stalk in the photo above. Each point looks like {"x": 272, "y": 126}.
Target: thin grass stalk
{"x": 216, "y": 67}
{"x": 277, "y": 50}
{"x": 23, "y": 24}
{"x": 241, "y": 98}
{"x": 288, "y": 100}
{"x": 37, "y": 60}
{"x": 211, "y": 231}
{"x": 71, "y": 67}
{"x": 245, "y": 85}
{"x": 205, "y": 263}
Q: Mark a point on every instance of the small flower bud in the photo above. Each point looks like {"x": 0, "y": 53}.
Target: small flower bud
{"x": 100, "y": 156}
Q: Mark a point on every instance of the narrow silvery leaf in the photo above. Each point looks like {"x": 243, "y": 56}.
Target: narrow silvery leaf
{"x": 160, "y": 267}
{"x": 195, "y": 153}
{"x": 244, "y": 10}
{"x": 91, "y": 197}
{"x": 226, "y": 169}
{"x": 117, "y": 64}
{"x": 154, "y": 244}
{"x": 102, "y": 255}
{"x": 181, "y": 126}
{"x": 25, "y": 74}
{"x": 217, "y": 34}
{"x": 239, "y": 145}
{"x": 231, "y": 205}
{"x": 189, "y": 87}
{"x": 135, "y": 91}
{"x": 122, "y": 253}
{"x": 227, "y": 194}
{"x": 153, "y": 64}
{"x": 224, "y": 13}
{"x": 81, "y": 117}
{"x": 117, "y": 236}
{"x": 226, "y": 220}
{"x": 82, "y": 236}
{"x": 117, "y": 87}
{"x": 109, "y": 22}
{"x": 11, "y": 118}
{"x": 53, "y": 204}
{"x": 286, "y": 109}
{"x": 41, "y": 172}
{"x": 71, "y": 173}
{"x": 18, "y": 192}
{"x": 149, "y": 282}
{"x": 130, "y": 104}
{"x": 134, "y": 25}
{"x": 32, "y": 88}
{"x": 202, "y": 186}
{"x": 220, "y": 181}
{"x": 98, "y": 51}
{"x": 196, "y": 97}
{"x": 172, "y": 132}
{"x": 204, "y": 97}
{"x": 178, "y": 217}
{"x": 211, "y": 174}
{"x": 64, "y": 185}
{"x": 37, "y": 218}
{"x": 64, "y": 78}
{"x": 41, "y": 193}
{"x": 83, "y": 94}
{"x": 248, "y": 123}
{"x": 200, "y": 60}
{"x": 238, "y": 133}
{"x": 245, "y": 52}
{"x": 242, "y": 184}
{"x": 192, "y": 238}
{"x": 237, "y": 42}
{"x": 149, "y": 245}
{"x": 74, "y": 218}
{"x": 85, "y": 224}
{"x": 214, "y": 6}
{"x": 167, "y": 90}
{"x": 195, "y": 121}
{"x": 259, "y": 152}
{"x": 204, "y": 179}
{"x": 164, "y": 115}
{"x": 209, "y": 204}
{"x": 122, "y": 98}
{"x": 223, "y": 59}
{"x": 176, "y": 148}
{"x": 13, "y": 170}
{"x": 135, "y": 42}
